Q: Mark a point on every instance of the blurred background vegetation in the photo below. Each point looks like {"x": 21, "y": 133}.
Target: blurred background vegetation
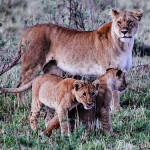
{"x": 16, "y": 15}
{"x": 133, "y": 123}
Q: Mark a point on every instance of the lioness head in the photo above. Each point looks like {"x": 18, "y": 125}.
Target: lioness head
{"x": 86, "y": 92}
{"x": 125, "y": 24}
{"x": 117, "y": 79}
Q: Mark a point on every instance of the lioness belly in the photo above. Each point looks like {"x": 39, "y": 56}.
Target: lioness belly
{"x": 92, "y": 68}
{"x": 82, "y": 68}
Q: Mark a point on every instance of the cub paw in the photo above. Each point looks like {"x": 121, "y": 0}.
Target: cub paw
{"x": 33, "y": 122}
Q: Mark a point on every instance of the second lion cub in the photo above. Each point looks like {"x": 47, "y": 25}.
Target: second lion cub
{"x": 60, "y": 94}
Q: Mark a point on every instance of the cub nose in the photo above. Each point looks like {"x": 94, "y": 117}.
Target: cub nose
{"x": 124, "y": 31}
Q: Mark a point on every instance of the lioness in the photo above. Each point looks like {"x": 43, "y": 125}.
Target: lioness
{"x": 78, "y": 52}
{"x": 113, "y": 79}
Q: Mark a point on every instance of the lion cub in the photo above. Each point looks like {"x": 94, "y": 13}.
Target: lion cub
{"x": 60, "y": 94}
{"x": 113, "y": 79}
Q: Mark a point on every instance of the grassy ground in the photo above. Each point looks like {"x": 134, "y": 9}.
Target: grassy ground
{"x": 132, "y": 124}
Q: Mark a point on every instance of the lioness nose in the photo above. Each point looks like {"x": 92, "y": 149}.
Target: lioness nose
{"x": 124, "y": 31}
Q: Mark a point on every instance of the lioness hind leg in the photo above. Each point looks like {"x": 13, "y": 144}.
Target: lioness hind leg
{"x": 26, "y": 76}
{"x": 29, "y": 73}
{"x": 20, "y": 96}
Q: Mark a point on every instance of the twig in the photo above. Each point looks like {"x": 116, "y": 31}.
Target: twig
{"x": 18, "y": 143}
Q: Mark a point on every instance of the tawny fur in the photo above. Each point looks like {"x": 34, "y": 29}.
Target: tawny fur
{"x": 60, "y": 94}
{"x": 79, "y": 52}
{"x": 113, "y": 79}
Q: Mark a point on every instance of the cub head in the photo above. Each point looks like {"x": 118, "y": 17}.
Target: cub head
{"x": 86, "y": 92}
{"x": 117, "y": 79}
{"x": 125, "y": 24}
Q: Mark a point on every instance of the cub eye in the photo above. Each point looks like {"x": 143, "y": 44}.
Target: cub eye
{"x": 84, "y": 94}
{"x": 130, "y": 22}
{"x": 119, "y": 23}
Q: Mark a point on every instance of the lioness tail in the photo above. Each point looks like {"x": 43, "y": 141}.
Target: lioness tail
{"x": 12, "y": 62}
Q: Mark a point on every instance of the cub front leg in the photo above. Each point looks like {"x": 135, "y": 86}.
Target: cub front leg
{"x": 48, "y": 116}
{"x": 53, "y": 124}
{"x": 35, "y": 111}
{"x": 63, "y": 120}
{"x": 104, "y": 116}
{"x": 115, "y": 103}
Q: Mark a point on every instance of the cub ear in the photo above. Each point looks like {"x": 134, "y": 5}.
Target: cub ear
{"x": 96, "y": 84}
{"x": 119, "y": 72}
{"x": 138, "y": 14}
{"x": 114, "y": 13}
{"x": 77, "y": 84}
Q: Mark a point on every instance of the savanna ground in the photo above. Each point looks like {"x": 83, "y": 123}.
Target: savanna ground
{"x": 132, "y": 124}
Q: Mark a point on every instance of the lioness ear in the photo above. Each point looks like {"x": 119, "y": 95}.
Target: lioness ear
{"x": 114, "y": 13}
{"x": 77, "y": 84}
{"x": 138, "y": 14}
{"x": 96, "y": 84}
{"x": 119, "y": 72}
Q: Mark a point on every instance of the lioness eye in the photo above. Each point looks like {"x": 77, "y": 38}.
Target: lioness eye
{"x": 84, "y": 94}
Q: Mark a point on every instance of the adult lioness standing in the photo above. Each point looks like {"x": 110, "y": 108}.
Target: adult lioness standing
{"x": 78, "y": 52}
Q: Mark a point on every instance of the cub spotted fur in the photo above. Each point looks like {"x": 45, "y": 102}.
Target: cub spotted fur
{"x": 60, "y": 94}
{"x": 113, "y": 79}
